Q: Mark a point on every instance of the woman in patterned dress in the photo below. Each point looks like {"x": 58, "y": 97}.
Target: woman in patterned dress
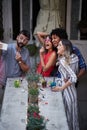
{"x": 68, "y": 69}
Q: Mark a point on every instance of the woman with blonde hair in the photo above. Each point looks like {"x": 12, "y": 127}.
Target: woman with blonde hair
{"x": 68, "y": 69}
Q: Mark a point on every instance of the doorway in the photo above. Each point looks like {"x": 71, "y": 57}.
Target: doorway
{"x": 83, "y": 23}
{"x": 11, "y": 19}
{"x": 15, "y": 17}
{"x": 35, "y": 8}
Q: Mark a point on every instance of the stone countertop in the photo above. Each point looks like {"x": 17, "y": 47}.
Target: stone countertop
{"x": 52, "y": 108}
{"x": 15, "y": 103}
{"x": 14, "y": 108}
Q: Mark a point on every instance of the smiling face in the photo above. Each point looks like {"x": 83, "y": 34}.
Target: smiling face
{"x": 55, "y": 40}
{"x": 61, "y": 49}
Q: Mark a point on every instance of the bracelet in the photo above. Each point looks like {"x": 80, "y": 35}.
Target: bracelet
{"x": 19, "y": 62}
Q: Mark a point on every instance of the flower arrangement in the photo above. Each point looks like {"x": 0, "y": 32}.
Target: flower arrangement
{"x": 32, "y": 109}
{"x": 35, "y": 121}
{"x": 33, "y": 95}
{"x": 33, "y": 80}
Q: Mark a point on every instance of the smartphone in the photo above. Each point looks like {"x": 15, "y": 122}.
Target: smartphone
{"x": 3, "y": 46}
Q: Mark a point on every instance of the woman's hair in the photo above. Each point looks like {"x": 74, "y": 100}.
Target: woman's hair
{"x": 48, "y": 38}
{"x": 60, "y": 32}
{"x": 68, "y": 49}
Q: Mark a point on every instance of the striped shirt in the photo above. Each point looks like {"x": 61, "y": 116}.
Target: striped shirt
{"x": 69, "y": 94}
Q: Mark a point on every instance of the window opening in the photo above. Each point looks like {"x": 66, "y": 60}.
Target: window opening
{"x": 15, "y": 17}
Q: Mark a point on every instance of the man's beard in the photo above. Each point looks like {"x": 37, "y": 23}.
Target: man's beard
{"x": 20, "y": 44}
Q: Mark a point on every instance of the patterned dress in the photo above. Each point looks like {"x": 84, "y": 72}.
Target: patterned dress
{"x": 69, "y": 94}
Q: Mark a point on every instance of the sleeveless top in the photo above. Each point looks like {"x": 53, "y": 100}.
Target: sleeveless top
{"x": 48, "y": 72}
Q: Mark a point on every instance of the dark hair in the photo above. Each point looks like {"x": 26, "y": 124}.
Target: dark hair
{"x": 53, "y": 48}
{"x": 60, "y": 32}
{"x": 68, "y": 45}
{"x": 25, "y": 33}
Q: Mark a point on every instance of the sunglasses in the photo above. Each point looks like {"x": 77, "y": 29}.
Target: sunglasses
{"x": 48, "y": 39}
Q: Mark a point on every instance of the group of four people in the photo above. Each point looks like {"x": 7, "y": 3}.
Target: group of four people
{"x": 56, "y": 36}
{"x": 56, "y": 50}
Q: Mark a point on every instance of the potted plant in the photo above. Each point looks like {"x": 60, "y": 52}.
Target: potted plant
{"x": 33, "y": 95}
{"x": 32, "y": 79}
{"x": 33, "y": 76}
{"x": 34, "y": 120}
{"x": 33, "y": 49}
{"x": 33, "y": 91}
{"x": 32, "y": 108}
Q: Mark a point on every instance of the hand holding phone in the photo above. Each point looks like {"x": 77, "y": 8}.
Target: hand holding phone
{"x": 3, "y": 46}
